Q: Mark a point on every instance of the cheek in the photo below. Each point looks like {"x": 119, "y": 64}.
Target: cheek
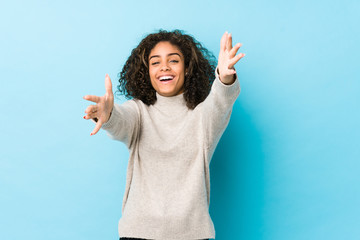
{"x": 180, "y": 70}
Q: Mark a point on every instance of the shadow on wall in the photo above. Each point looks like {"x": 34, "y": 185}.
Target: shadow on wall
{"x": 237, "y": 180}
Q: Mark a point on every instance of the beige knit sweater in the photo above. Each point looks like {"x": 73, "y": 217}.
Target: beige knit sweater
{"x": 167, "y": 192}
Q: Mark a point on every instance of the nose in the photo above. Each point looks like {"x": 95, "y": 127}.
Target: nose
{"x": 164, "y": 67}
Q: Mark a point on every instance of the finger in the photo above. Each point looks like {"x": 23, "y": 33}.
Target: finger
{"x": 91, "y": 115}
{"x": 97, "y": 127}
{"x": 229, "y": 42}
{"x": 230, "y": 72}
{"x": 92, "y": 98}
{"x": 91, "y": 109}
{"x": 223, "y": 42}
{"x": 108, "y": 84}
{"x": 234, "y": 50}
{"x": 234, "y": 60}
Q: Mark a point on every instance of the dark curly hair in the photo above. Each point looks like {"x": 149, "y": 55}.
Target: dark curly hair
{"x": 134, "y": 79}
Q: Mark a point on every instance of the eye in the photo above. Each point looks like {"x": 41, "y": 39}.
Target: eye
{"x": 154, "y": 63}
{"x": 174, "y": 61}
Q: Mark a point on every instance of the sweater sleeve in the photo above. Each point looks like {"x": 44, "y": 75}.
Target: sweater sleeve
{"x": 124, "y": 123}
{"x": 217, "y": 109}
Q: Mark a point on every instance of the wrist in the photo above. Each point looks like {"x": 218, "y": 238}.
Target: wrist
{"x": 228, "y": 80}
{"x": 110, "y": 114}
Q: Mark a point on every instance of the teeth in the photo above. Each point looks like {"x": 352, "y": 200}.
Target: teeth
{"x": 166, "y": 78}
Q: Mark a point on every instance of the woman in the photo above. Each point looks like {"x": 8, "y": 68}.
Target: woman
{"x": 171, "y": 125}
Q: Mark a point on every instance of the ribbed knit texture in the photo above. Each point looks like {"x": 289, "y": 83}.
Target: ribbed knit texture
{"x": 167, "y": 194}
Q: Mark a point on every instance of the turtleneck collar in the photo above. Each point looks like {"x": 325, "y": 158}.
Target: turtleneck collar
{"x": 173, "y": 103}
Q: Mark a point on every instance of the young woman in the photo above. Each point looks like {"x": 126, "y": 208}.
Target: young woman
{"x": 180, "y": 104}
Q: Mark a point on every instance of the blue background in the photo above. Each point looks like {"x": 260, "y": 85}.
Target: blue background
{"x": 287, "y": 167}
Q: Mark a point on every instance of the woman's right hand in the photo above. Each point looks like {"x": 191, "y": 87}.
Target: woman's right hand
{"x": 103, "y": 108}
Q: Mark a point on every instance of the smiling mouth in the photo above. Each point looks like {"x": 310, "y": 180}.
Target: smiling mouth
{"x": 166, "y": 78}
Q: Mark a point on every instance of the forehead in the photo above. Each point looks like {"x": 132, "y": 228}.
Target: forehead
{"x": 164, "y": 48}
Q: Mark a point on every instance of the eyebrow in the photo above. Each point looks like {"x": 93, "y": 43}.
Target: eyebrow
{"x": 170, "y": 54}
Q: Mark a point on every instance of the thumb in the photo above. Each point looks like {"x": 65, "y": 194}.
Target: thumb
{"x": 108, "y": 84}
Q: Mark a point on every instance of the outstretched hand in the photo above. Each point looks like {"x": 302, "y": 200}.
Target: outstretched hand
{"x": 227, "y": 59}
{"x": 104, "y": 105}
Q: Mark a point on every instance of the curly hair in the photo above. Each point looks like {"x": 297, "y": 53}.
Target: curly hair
{"x": 134, "y": 79}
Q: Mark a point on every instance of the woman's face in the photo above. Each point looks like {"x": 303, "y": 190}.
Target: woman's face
{"x": 167, "y": 69}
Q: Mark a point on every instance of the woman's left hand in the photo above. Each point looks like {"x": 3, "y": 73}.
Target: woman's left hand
{"x": 227, "y": 59}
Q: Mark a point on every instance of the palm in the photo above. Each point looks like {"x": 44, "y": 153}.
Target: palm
{"x": 228, "y": 58}
{"x": 104, "y": 104}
